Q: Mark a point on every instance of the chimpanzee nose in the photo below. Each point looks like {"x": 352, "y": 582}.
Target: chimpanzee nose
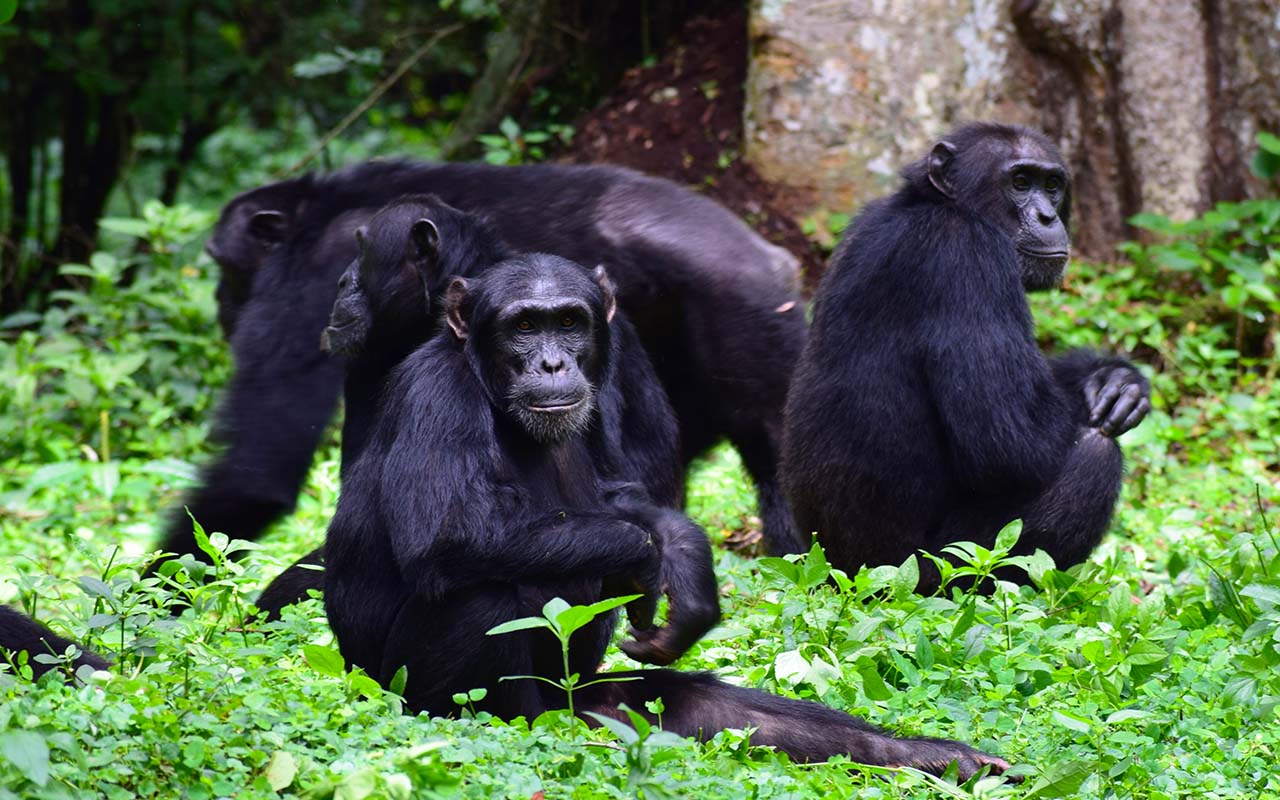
{"x": 552, "y": 365}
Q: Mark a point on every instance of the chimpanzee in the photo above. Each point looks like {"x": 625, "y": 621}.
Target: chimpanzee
{"x": 389, "y": 303}
{"x": 715, "y": 305}
{"x": 922, "y": 411}
{"x": 486, "y": 488}
{"x": 18, "y": 632}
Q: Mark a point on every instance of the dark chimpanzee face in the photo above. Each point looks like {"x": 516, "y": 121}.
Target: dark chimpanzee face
{"x": 538, "y": 326}
{"x": 406, "y": 251}
{"x": 1016, "y": 179}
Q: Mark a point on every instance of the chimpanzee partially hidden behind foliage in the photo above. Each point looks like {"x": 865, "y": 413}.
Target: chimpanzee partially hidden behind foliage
{"x": 714, "y": 304}
{"x": 923, "y": 412}
{"x": 488, "y": 486}
{"x": 389, "y": 302}
{"x": 19, "y": 633}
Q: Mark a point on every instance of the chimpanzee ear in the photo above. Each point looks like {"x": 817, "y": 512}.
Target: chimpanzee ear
{"x": 269, "y": 227}
{"x": 453, "y": 298}
{"x": 426, "y": 241}
{"x": 606, "y": 288}
{"x": 939, "y": 168}
{"x": 362, "y": 236}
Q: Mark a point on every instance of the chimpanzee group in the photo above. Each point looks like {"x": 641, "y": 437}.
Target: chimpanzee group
{"x": 517, "y": 424}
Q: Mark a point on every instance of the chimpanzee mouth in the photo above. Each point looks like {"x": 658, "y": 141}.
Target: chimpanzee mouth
{"x": 1048, "y": 255}
{"x": 555, "y": 408}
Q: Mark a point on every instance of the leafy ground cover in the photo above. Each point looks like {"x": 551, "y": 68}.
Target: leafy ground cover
{"x": 1150, "y": 671}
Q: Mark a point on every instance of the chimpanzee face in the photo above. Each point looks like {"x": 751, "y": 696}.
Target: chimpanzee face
{"x": 1019, "y": 184}
{"x": 539, "y": 328}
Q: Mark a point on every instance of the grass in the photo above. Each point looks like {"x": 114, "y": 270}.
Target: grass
{"x": 1151, "y": 671}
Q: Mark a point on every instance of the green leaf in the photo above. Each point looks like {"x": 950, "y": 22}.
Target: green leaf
{"x": 1009, "y": 535}
{"x": 619, "y": 728}
{"x": 28, "y": 753}
{"x": 1062, "y": 778}
{"x": 907, "y": 578}
{"x": 8, "y": 8}
{"x": 522, "y": 624}
{"x": 1072, "y": 722}
{"x": 611, "y": 603}
{"x": 324, "y": 660}
{"x": 399, "y": 680}
{"x": 1268, "y": 142}
{"x": 281, "y": 770}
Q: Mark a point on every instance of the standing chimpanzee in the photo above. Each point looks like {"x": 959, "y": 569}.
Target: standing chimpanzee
{"x": 715, "y": 305}
{"x": 389, "y": 303}
{"x": 486, "y": 488}
{"x": 922, "y": 411}
{"x": 18, "y": 632}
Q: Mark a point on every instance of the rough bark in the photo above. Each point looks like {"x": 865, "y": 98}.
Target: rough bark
{"x": 1155, "y": 102}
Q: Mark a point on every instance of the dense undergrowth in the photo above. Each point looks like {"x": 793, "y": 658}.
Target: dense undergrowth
{"x": 1150, "y": 671}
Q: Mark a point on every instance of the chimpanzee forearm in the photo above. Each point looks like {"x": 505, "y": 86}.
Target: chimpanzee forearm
{"x": 564, "y": 545}
{"x": 688, "y": 580}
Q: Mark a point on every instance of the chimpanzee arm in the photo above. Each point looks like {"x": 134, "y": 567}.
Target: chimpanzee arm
{"x": 1105, "y": 392}
{"x": 640, "y": 426}
{"x": 1005, "y": 419}
{"x": 281, "y": 397}
{"x": 451, "y": 522}
{"x": 688, "y": 580}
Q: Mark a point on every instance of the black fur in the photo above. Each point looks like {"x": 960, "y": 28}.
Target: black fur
{"x": 397, "y": 294}
{"x": 715, "y": 306}
{"x": 922, "y": 411}
{"x": 454, "y": 520}
{"x": 18, "y": 632}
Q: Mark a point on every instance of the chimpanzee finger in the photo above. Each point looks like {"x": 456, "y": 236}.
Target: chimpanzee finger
{"x": 1121, "y": 409}
{"x": 640, "y": 613}
{"x": 1106, "y": 398}
{"x": 1092, "y": 387}
{"x": 649, "y": 648}
{"x": 1136, "y": 416}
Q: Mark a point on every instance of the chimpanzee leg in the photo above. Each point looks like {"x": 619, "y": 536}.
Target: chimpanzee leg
{"x": 1069, "y": 519}
{"x": 292, "y": 585}
{"x": 446, "y": 650}
{"x": 760, "y": 450}
{"x": 698, "y": 705}
{"x": 281, "y": 398}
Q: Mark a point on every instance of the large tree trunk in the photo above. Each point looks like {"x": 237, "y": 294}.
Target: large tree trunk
{"x": 1154, "y": 102}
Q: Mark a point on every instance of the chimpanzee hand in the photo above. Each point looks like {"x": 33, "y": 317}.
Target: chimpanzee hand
{"x": 1118, "y": 399}
{"x": 644, "y": 580}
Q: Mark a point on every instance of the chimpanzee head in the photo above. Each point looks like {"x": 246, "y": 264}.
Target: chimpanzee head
{"x": 255, "y": 223}
{"x": 1016, "y": 179}
{"x": 536, "y": 330}
{"x": 406, "y": 251}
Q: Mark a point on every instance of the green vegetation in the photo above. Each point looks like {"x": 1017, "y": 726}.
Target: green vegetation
{"x": 1151, "y": 671}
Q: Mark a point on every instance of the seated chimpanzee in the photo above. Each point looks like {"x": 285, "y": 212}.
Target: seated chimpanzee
{"x": 715, "y": 306}
{"x": 389, "y": 303}
{"x": 923, "y": 412}
{"x": 488, "y": 487}
{"x": 19, "y": 633}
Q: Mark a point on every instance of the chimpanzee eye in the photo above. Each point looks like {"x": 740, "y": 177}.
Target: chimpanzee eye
{"x": 567, "y": 321}
{"x": 524, "y": 325}
{"x": 1021, "y": 183}
{"x": 1052, "y": 184}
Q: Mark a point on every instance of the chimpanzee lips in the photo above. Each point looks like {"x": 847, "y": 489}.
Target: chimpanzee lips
{"x": 555, "y": 407}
